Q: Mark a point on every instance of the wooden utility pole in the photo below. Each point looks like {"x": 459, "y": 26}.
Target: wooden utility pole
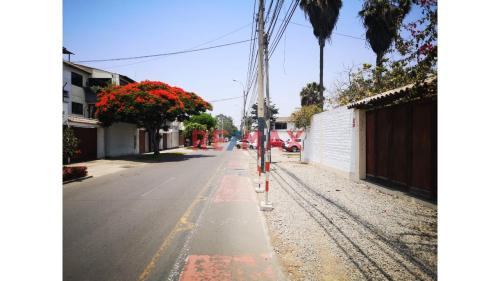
{"x": 263, "y": 113}
{"x": 260, "y": 97}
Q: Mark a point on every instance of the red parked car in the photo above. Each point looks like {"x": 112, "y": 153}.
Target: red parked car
{"x": 277, "y": 143}
{"x": 293, "y": 146}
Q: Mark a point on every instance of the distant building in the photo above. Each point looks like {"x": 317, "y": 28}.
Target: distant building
{"x": 283, "y": 125}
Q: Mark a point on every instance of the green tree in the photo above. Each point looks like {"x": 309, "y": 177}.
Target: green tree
{"x": 323, "y": 15}
{"x": 311, "y": 94}
{"x": 302, "y": 117}
{"x": 382, "y": 20}
{"x": 227, "y": 125}
{"x": 420, "y": 48}
{"x": 247, "y": 123}
{"x": 273, "y": 110}
{"x": 204, "y": 119}
{"x": 190, "y": 127}
{"x": 418, "y": 52}
{"x": 70, "y": 143}
{"x": 148, "y": 104}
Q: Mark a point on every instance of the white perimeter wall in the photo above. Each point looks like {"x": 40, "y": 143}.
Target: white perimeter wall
{"x": 101, "y": 143}
{"x": 121, "y": 139}
{"x": 332, "y": 141}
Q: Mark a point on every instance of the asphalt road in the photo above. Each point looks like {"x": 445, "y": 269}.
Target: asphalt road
{"x": 130, "y": 225}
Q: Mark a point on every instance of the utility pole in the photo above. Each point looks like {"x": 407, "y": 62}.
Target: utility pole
{"x": 267, "y": 205}
{"x": 260, "y": 98}
{"x": 263, "y": 112}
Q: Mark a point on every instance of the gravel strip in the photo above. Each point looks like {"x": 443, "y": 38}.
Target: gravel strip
{"x": 325, "y": 227}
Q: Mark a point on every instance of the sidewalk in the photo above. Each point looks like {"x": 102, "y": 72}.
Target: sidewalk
{"x": 231, "y": 240}
{"x": 325, "y": 227}
{"x": 102, "y": 167}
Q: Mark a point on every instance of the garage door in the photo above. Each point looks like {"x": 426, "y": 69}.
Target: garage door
{"x": 87, "y": 144}
{"x": 401, "y": 146}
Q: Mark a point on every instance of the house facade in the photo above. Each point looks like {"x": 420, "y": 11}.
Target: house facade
{"x": 79, "y": 99}
{"x": 283, "y": 125}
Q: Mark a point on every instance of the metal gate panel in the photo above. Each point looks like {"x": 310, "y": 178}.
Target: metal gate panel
{"x": 370, "y": 143}
{"x": 382, "y": 137}
{"x": 142, "y": 141}
{"x": 398, "y": 156}
{"x": 87, "y": 144}
{"x": 422, "y": 146}
{"x": 401, "y": 146}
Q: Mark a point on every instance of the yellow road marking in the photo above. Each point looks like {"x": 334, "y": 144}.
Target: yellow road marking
{"x": 181, "y": 225}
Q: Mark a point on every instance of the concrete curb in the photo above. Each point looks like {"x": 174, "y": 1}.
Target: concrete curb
{"x": 77, "y": 179}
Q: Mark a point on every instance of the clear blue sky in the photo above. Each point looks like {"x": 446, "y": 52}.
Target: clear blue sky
{"x": 95, "y": 29}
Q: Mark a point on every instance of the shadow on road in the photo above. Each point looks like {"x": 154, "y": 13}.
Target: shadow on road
{"x": 162, "y": 158}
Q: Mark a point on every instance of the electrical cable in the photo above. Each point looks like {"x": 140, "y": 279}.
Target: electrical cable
{"x": 167, "y": 54}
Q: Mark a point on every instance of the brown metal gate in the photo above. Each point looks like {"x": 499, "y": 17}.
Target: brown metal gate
{"x": 87, "y": 145}
{"x": 401, "y": 146}
{"x": 142, "y": 141}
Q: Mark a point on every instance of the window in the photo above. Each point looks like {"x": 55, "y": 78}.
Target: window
{"x": 280, "y": 126}
{"x": 76, "y": 79}
{"x": 91, "y": 111}
{"x": 77, "y": 108}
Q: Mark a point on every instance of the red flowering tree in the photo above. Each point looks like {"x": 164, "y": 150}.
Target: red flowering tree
{"x": 149, "y": 105}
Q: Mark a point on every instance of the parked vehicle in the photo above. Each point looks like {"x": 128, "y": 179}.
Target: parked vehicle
{"x": 293, "y": 145}
{"x": 245, "y": 144}
{"x": 277, "y": 143}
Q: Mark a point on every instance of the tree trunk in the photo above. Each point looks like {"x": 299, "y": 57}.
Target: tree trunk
{"x": 154, "y": 134}
{"x": 321, "y": 46}
{"x": 378, "y": 76}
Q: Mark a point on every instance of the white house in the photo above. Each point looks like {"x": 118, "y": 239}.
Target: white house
{"x": 96, "y": 141}
{"x": 283, "y": 125}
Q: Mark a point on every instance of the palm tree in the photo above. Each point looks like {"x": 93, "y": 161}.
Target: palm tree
{"x": 310, "y": 95}
{"x": 382, "y": 19}
{"x": 323, "y": 15}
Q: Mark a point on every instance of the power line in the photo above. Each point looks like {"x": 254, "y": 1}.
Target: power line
{"x": 283, "y": 26}
{"x": 158, "y": 58}
{"x": 167, "y": 54}
{"x": 337, "y": 33}
{"x": 226, "y": 99}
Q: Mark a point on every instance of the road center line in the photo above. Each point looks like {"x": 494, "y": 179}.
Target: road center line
{"x": 152, "y": 189}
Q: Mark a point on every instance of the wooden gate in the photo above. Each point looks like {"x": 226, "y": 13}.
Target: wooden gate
{"x": 401, "y": 146}
{"x": 87, "y": 144}
{"x": 142, "y": 141}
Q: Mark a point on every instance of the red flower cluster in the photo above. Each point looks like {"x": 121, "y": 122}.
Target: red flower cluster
{"x": 148, "y": 98}
{"x": 426, "y": 48}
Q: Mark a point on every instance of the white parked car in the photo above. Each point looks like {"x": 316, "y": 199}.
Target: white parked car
{"x": 246, "y": 144}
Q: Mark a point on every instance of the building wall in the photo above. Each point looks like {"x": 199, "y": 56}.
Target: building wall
{"x": 65, "y": 111}
{"x": 76, "y": 94}
{"x": 332, "y": 141}
{"x": 121, "y": 139}
{"x": 115, "y": 78}
{"x": 101, "y": 143}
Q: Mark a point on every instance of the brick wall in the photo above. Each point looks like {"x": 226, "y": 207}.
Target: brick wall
{"x": 331, "y": 140}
